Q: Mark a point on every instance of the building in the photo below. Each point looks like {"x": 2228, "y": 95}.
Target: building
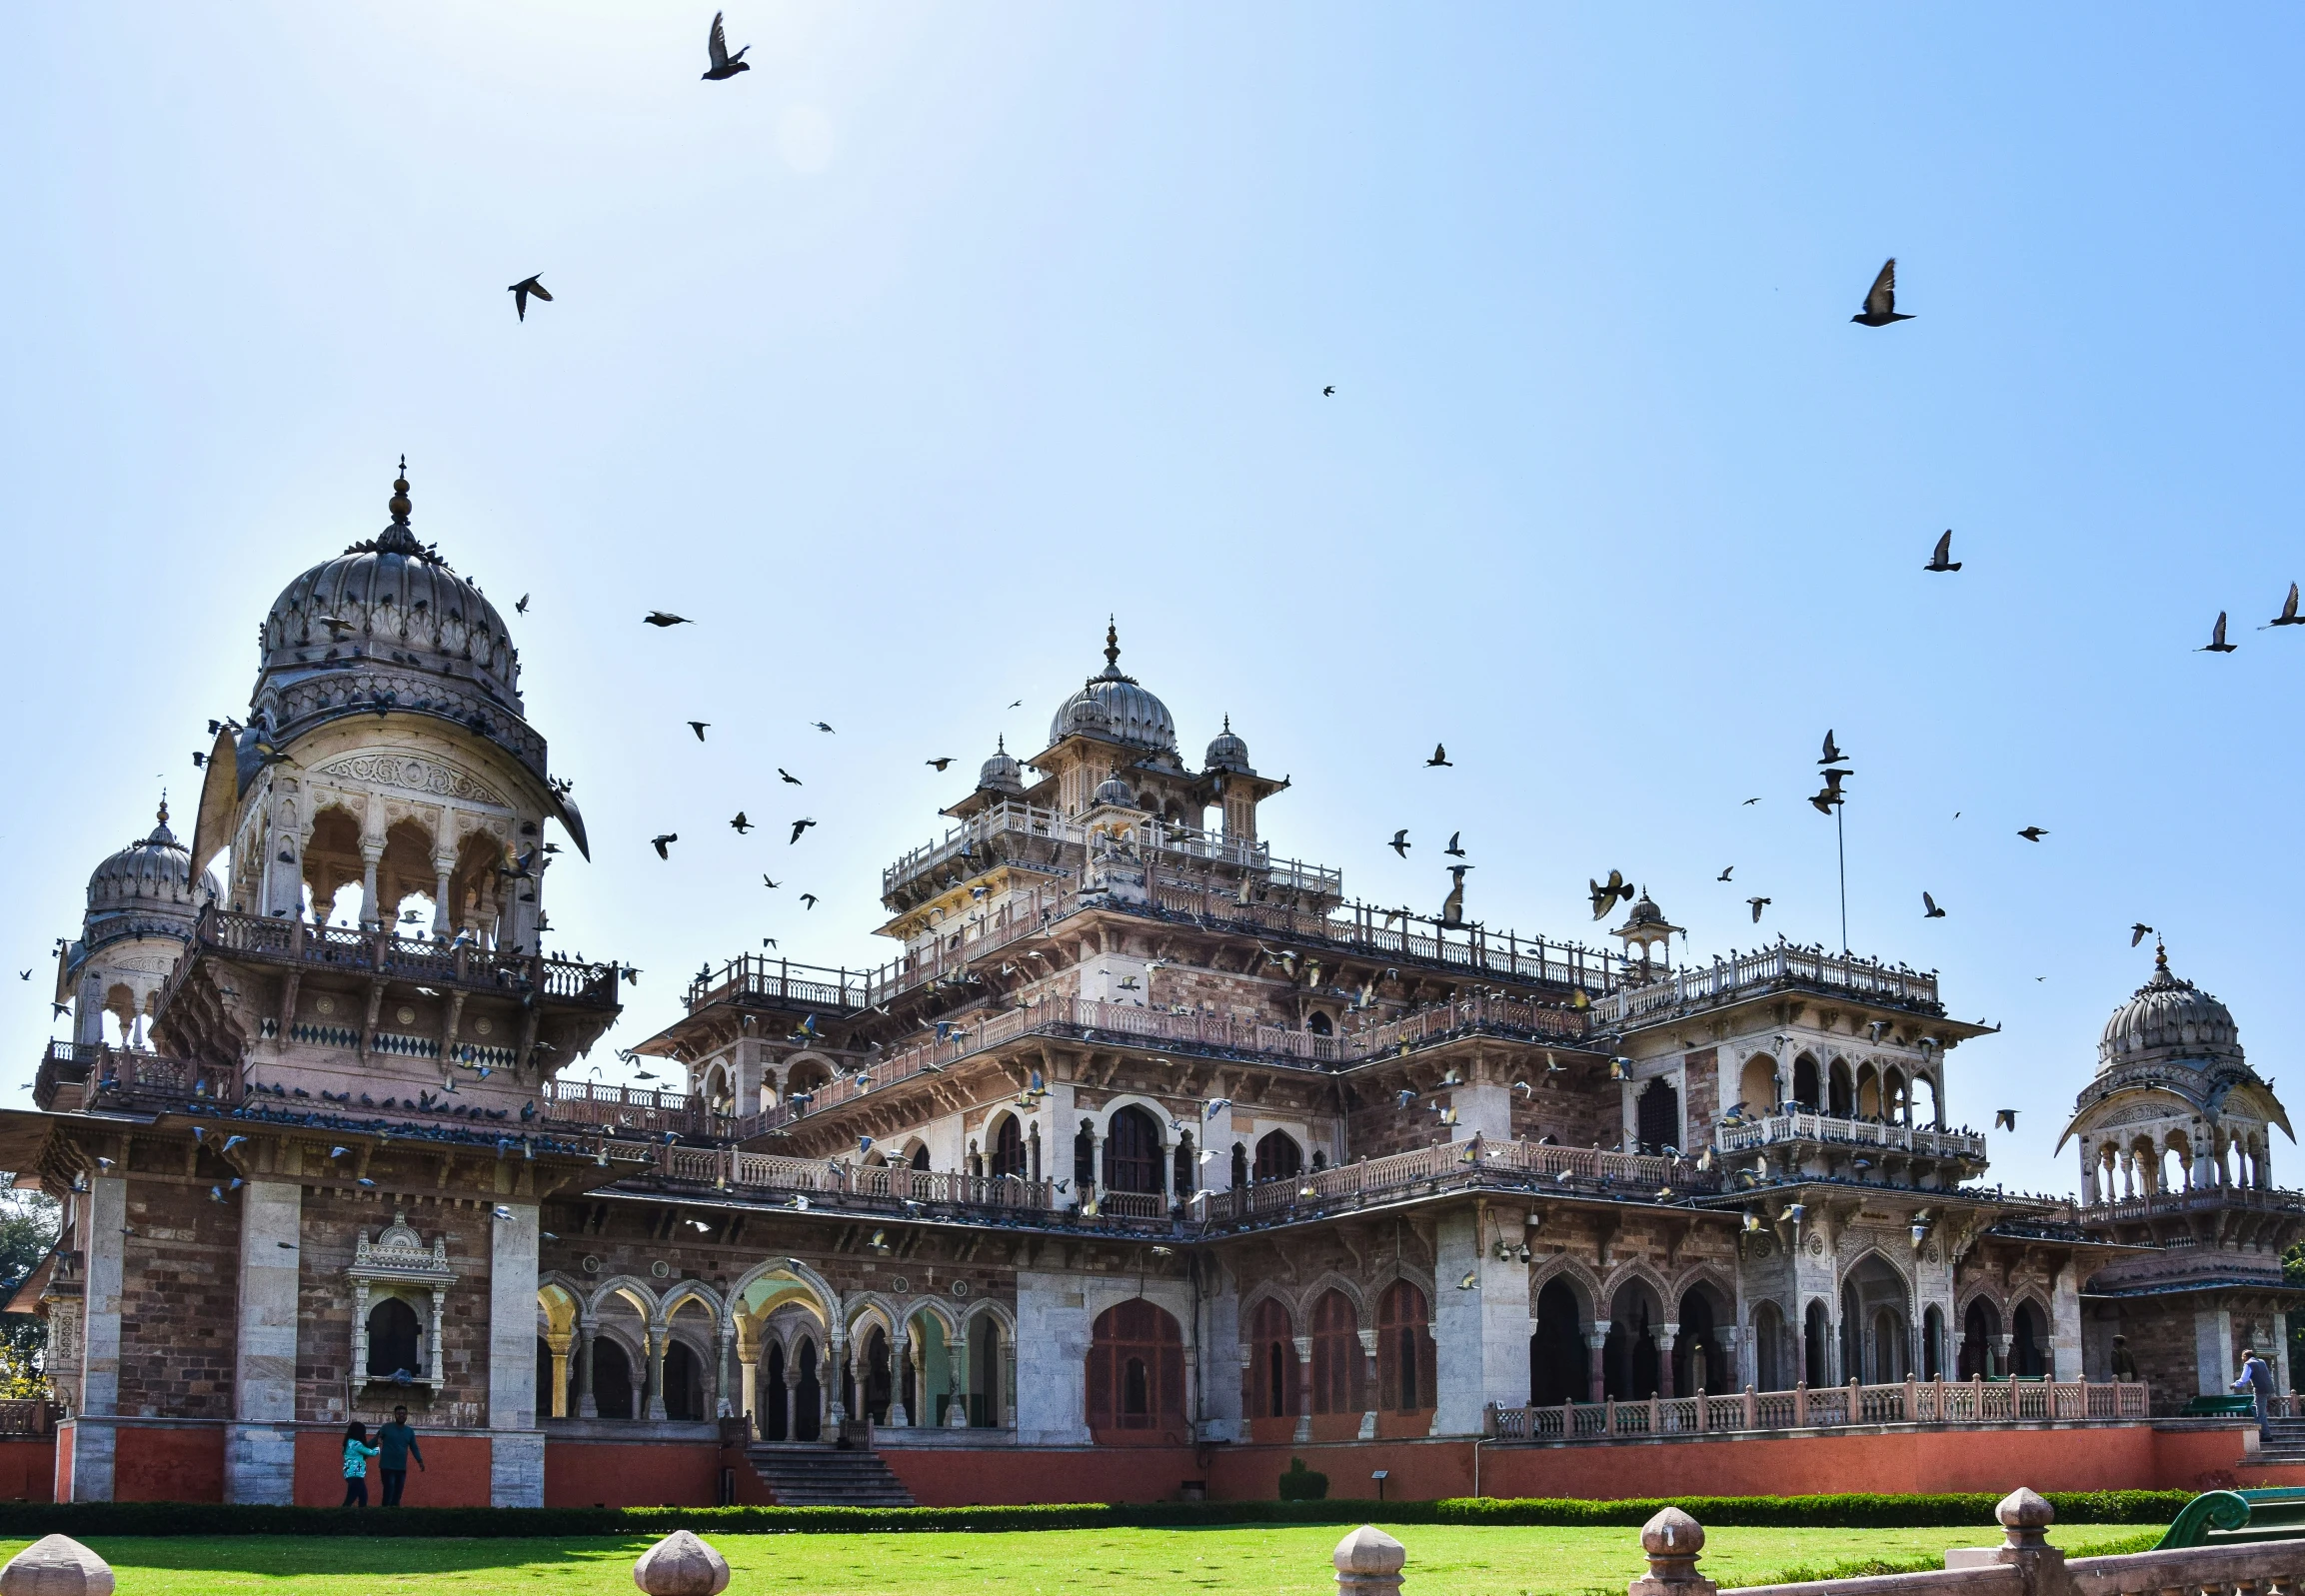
{"x": 1146, "y": 1153}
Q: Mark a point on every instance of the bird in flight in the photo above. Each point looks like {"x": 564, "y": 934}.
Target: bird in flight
{"x": 2288, "y": 616}
{"x": 1724, "y": 875}
{"x": 521, "y": 293}
{"x": 1016, "y": 703}
{"x": 2138, "y": 932}
{"x": 665, "y": 618}
{"x": 724, "y": 64}
{"x": 820, "y": 726}
{"x": 1400, "y": 843}
{"x": 1749, "y": 803}
{"x": 788, "y": 777}
{"x": 1944, "y": 558}
{"x": 2217, "y": 643}
{"x": 521, "y": 608}
{"x": 1452, "y": 851}
{"x": 1831, "y": 794}
{"x": 1328, "y": 391}
{"x": 1604, "y": 895}
{"x": 2005, "y": 1119}
{"x": 2033, "y": 834}
{"x": 1832, "y": 754}
{"x": 808, "y": 898}
{"x": 1881, "y": 298}
{"x": 937, "y": 764}
{"x": 798, "y": 827}
{"x": 1439, "y": 755}
{"x": 1929, "y": 910}
{"x": 740, "y": 823}
{"x": 765, "y": 881}
{"x": 663, "y": 842}
{"x": 1759, "y": 903}
{"x": 23, "y": 975}
{"x": 698, "y": 727}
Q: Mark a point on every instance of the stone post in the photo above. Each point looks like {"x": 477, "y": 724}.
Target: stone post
{"x": 835, "y": 1382}
{"x": 516, "y": 1444}
{"x": 1302, "y": 1345}
{"x": 2025, "y": 1519}
{"x": 721, "y": 1370}
{"x": 1596, "y": 1371}
{"x": 1665, "y": 1334}
{"x": 587, "y": 1406}
{"x": 56, "y": 1565}
{"x": 1673, "y": 1541}
{"x": 260, "y": 1443}
{"x": 1369, "y": 1563}
{"x": 442, "y": 916}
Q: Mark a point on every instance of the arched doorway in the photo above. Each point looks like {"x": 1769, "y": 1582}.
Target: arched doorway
{"x": 775, "y": 1401}
{"x": 611, "y": 1379}
{"x": 1876, "y": 1334}
{"x": 1933, "y": 1343}
{"x": 1700, "y": 1361}
{"x": 1279, "y": 1158}
{"x": 2029, "y": 1341}
{"x": 1558, "y": 1369}
{"x": 1773, "y": 1367}
{"x": 1656, "y": 1117}
{"x": 1840, "y": 1095}
{"x": 684, "y": 1382}
{"x": 1132, "y": 1153}
{"x": 1008, "y": 1149}
{"x": 1818, "y": 1332}
{"x": 985, "y": 1364}
{"x": 1137, "y": 1371}
{"x": 878, "y": 1383}
{"x": 1980, "y": 1335}
{"x": 808, "y": 1395}
{"x": 1273, "y": 1363}
{"x": 1240, "y": 1167}
{"x": 1805, "y": 1083}
{"x": 1629, "y": 1357}
{"x": 1405, "y": 1355}
{"x": 547, "y": 1380}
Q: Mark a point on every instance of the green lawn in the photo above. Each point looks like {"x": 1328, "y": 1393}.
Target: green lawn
{"x": 1281, "y": 1561}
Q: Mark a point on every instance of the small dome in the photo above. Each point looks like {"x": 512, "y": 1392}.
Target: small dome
{"x": 1228, "y": 752}
{"x": 2168, "y": 1019}
{"x": 146, "y": 890}
{"x": 1115, "y": 791}
{"x": 1646, "y": 911}
{"x": 1111, "y": 705}
{"x": 1001, "y": 772}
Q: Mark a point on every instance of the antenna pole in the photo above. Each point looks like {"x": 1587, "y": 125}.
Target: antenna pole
{"x": 1842, "y": 849}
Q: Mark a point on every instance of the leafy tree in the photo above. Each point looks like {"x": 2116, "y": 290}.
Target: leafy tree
{"x": 29, "y": 1222}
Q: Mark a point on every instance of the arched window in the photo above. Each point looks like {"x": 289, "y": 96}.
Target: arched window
{"x": 1699, "y": 1362}
{"x": 546, "y": 1381}
{"x": 808, "y": 1396}
{"x": 1558, "y": 1369}
{"x": 684, "y": 1382}
{"x": 1839, "y": 1098}
{"x": 611, "y": 1379}
{"x": 1319, "y": 1025}
{"x": 1273, "y": 1363}
{"x": 1279, "y": 1158}
{"x": 1404, "y": 1350}
{"x": 1980, "y": 1331}
{"x": 1240, "y": 1167}
{"x": 1339, "y": 1375}
{"x": 1770, "y": 1360}
{"x": 1084, "y": 1160}
{"x": 1657, "y": 1117}
{"x": 1805, "y": 1083}
{"x": 1820, "y": 1326}
{"x": 921, "y": 1156}
{"x": 1187, "y": 1173}
{"x": 1132, "y": 1153}
{"x": 1932, "y": 1343}
{"x": 1008, "y": 1149}
{"x": 775, "y": 1401}
{"x": 393, "y": 1337}
{"x": 2029, "y": 1345}
{"x": 878, "y": 1383}
{"x": 984, "y": 1412}
{"x": 1136, "y": 1369}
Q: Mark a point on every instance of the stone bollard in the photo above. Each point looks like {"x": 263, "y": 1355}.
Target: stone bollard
{"x": 1673, "y": 1542}
{"x": 2025, "y": 1520}
{"x": 56, "y": 1565}
{"x": 1369, "y": 1563}
{"x": 680, "y": 1565}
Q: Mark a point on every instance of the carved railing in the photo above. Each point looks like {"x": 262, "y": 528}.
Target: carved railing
{"x": 1799, "y": 1125}
{"x": 1703, "y": 986}
{"x": 2198, "y": 1199}
{"x": 727, "y": 1169}
{"x": 382, "y": 953}
{"x": 1958, "y": 1402}
{"x": 631, "y": 1111}
{"x": 1451, "y": 1164}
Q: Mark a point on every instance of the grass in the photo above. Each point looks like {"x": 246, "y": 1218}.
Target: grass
{"x": 1236, "y": 1561}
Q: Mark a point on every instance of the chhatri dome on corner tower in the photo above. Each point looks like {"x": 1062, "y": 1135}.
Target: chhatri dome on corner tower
{"x": 1149, "y": 1159}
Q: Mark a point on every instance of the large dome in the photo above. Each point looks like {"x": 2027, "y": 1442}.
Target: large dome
{"x": 2168, "y": 1019}
{"x": 146, "y": 890}
{"x": 1112, "y": 706}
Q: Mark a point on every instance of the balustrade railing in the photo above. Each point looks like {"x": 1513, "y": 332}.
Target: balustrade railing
{"x": 1974, "y": 1404}
{"x": 631, "y": 1110}
{"x": 731, "y": 1170}
{"x": 1799, "y": 1125}
{"x": 1449, "y": 1163}
{"x": 1700, "y": 985}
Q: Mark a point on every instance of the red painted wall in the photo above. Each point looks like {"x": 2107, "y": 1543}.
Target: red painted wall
{"x": 64, "y": 1439}
{"x": 153, "y": 1464}
{"x": 28, "y": 1469}
{"x": 644, "y": 1474}
{"x": 454, "y": 1472}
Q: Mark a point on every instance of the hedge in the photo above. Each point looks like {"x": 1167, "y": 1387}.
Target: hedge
{"x": 1975, "y": 1510}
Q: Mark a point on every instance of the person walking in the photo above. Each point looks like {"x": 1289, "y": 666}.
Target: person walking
{"x": 397, "y": 1442}
{"x": 357, "y": 1452}
{"x": 2257, "y": 1380}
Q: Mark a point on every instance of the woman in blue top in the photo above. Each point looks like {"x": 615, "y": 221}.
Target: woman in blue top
{"x": 357, "y": 1452}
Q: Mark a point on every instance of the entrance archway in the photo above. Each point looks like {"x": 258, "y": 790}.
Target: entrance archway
{"x": 1558, "y": 1369}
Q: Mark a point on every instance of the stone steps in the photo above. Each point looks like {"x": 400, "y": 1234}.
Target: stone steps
{"x": 827, "y": 1476}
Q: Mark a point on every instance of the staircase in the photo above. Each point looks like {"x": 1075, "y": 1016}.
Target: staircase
{"x": 2284, "y": 1441}
{"x": 802, "y": 1475}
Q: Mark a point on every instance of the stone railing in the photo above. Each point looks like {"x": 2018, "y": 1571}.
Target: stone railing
{"x": 1799, "y": 1125}
{"x": 1447, "y": 1166}
{"x": 727, "y": 1169}
{"x": 1368, "y": 1562}
{"x": 1727, "y": 980}
{"x": 1957, "y": 1402}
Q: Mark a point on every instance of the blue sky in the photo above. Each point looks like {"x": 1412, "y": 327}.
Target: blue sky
{"x": 902, "y": 359}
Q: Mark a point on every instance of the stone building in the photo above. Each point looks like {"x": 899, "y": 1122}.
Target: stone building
{"x": 1147, "y": 1149}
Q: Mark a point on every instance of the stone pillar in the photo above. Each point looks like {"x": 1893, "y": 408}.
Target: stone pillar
{"x": 106, "y": 1208}
{"x": 2001, "y": 1347}
{"x": 956, "y": 1379}
{"x": 587, "y": 1405}
{"x": 660, "y": 1336}
{"x": 835, "y": 1380}
{"x": 1481, "y": 1333}
{"x": 563, "y": 1349}
{"x": 1665, "y": 1334}
{"x": 2212, "y": 1350}
{"x": 443, "y": 918}
{"x": 2280, "y": 1353}
{"x": 749, "y": 1398}
{"x": 516, "y": 1445}
{"x": 721, "y": 1370}
{"x": 1303, "y": 1346}
{"x": 1008, "y": 1392}
{"x": 260, "y": 1443}
{"x": 1595, "y": 1366}
{"x": 1371, "y": 1385}
{"x": 900, "y": 1412}
{"x": 370, "y": 856}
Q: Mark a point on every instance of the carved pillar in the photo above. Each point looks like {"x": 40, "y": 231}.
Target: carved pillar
{"x": 1596, "y": 1371}
{"x": 587, "y": 1407}
{"x": 2002, "y": 1346}
{"x": 431, "y": 1342}
{"x": 1665, "y": 1335}
{"x": 1009, "y": 1383}
{"x": 370, "y": 856}
{"x": 957, "y": 1377}
{"x": 360, "y": 1306}
{"x": 900, "y": 1411}
{"x": 658, "y": 1335}
{"x": 563, "y": 1358}
{"x": 836, "y": 1383}
{"x": 721, "y": 1371}
{"x": 1304, "y": 1347}
{"x": 442, "y": 916}
{"x": 1372, "y": 1388}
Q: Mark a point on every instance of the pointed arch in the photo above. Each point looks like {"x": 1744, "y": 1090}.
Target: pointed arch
{"x": 1329, "y": 1280}
{"x": 1576, "y": 1276}
{"x": 630, "y": 1289}
{"x": 687, "y": 1291}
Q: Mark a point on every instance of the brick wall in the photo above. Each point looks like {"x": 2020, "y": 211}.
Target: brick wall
{"x": 179, "y": 1300}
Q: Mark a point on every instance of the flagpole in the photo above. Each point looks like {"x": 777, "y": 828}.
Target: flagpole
{"x": 1842, "y": 848}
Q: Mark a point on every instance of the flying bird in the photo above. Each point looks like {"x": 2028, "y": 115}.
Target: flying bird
{"x": 2005, "y": 1119}
{"x": 1604, "y": 895}
{"x": 765, "y": 881}
{"x": 2217, "y": 643}
{"x": 521, "y": 293}
{"x": 1328, "y": 391}
{"x": 724, "y": 64}
{"x": 2033, "y": 834}
{"x": 798, "y": 827}
{"x": 1749, "y": 803}
{"x": 1881, "y": 298}
{"x": 1832, "y": 754}
{"x": 2138, "y": 932}
{"x": 820, "y": 726}
{"x": 1759, "y": 903}
{"x": 1439, "y": 755}
{"x": 1725, "y": 875}
{"x": 698, "y": 727}
{"x": 2288, "y": 616}
{"x": 789, "y": 778}
{"x": 1929, "y": 910}
{"x": 1400, "y": 843}
{"x": 665, "y": 618}
{"x": 521, "y": 608}
{"x": 808, "y": 898}
{"x": 661, "y": 843}
{"x": 742, "y": 826}
{"x": 937, "y": 764}
{"x": 1452, "y": 851}
{"x": 1831, "y": 794}
{"x": 1452, "y": 907}
{"x": 1944, "y": 558}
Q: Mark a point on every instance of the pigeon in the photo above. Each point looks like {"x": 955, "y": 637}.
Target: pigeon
{"x": 808, "y": 898}
{"x": 1832, "y": 754}
{"x": 1759, "y": 903}
{"x": 1328, "y": 391}
{"x": 2138, "y": 932}
{"x": 523, "y": 291}
{"x": 2033, "y": 834}
{"x": 789, "y": 778}
{"x": 1929, "y": 910}
{"x": 1827, "y": 797}
{"x": 521, "y": 608}
{"x": 724, "y": 64}
{"x": 1400, "y": 843}
{"x": 2005, "y": 1119}
{"x": 939, "y": 764}
{"x": 2217, "y": 643}
{"x": 1942, "y": 560}
{"x": 1881, "y": 300}
{"x": 665, "y": 618}
{"x": 798, "y": 827}
{"x": 1452, "y": 907}
{"x": 698, "y": 727}
{"x": 1725, "y": 875}
{"x": 1452, "y": 851}
{"x": 661, "y": 843}
{"x": 820, "y": 726}
{"x": 503, "y": 1213}
{"x": 740, "y": 826}
{"x": 765, "y": 881}
{"x": 61, "y": 1009}
{"x": 1470, "y": 1282}
{"x": 1439, "y": 755}
{"x": 1605, "y": 894}
{"x": 2288, "y": 616}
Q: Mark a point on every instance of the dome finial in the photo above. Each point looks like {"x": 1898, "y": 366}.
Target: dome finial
{"x": 1001, "y": 743}
{"x": 398, "y": 504}
{"x": 1111, "y": 643}
{"x": 2160, "y": 953}
{"x": 163, "y": 816}
{"x": 1229, "y": 723}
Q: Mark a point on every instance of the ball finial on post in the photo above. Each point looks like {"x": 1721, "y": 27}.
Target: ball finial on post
{"x": 1672, "y": 1541}
{"x": 681, "y": 1565}
{"x": 1369, "y": 1563}
{"x": 2025, "y": 1518}
{"x": 56, "y": 1565}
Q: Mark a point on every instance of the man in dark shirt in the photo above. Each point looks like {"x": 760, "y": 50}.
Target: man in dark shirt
{"x": 2124, "y": 1361}
{"x": 397, "y": 1439}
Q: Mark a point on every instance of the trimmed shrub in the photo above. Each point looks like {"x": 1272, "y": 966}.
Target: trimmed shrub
{"x": 1301, "y": 1484}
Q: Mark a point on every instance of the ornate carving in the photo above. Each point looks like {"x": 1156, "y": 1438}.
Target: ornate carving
{"x": 424, "y": 773}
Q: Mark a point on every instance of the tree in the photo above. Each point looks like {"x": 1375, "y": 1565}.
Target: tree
{"x": 29, "y": 1222}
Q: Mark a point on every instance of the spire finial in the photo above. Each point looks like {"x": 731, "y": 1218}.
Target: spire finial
{"x": 1111, "y": 643}
{"x": 2161, "y": 954}
{"x": 1001, "y": 743}
{"x": 1228, "y": 724}
{"x": 163, "y": 806}
{"x": 398, "y": 504}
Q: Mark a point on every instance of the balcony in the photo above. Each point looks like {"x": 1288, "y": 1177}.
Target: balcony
{"x": 77, "y": 1076}
{"x": 815, "y": 1181}
{"x": 1455, "y": 1165}
{"x": 1963, "y": 1404}
{"x": 2200, "y": 1199}
{"x": 1800, "y": 1125}
{"x": 1731, "y": 980}
{"x": 1010, "y": 832}
{"x": 629, "y": 1110}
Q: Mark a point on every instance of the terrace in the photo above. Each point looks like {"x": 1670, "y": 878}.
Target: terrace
{"x": 1730, "y": 980}
{"x": 1025, "y": 833}
{"x": 1967, "y": 1403}
{"x": 1795, "y": 1124}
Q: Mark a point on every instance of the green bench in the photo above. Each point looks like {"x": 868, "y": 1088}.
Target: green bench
{"x": 2227, "y": 1518}
{"x": 2218, "y": 1407}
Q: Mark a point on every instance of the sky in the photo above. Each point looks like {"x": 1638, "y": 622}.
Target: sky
{"x": 903, "y": 360}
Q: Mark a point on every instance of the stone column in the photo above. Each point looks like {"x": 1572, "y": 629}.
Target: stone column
{"x": 1302, "y": 1345}
{"x": 516, "y": 1445}
{"x": 721, "y": 1370}
{"x": 1481, "y": 1333}
{"x": 442, "y": 917}
{"x": 659, "y": 1335}
{"x": 749, "y": 1398}
{"x": 434, "y": 1356}
{"x": 587, "y": 1406}
{"x": 1596, "y": 1366}
{"x": 563, "y": 1349}
{"x": 260, "y": 1443}
{"x": 899, "y": 1412}
{"x": 1008, "y": 1391}
{"x": 371, "y": 912}
{"x": 1738, "y": 1340}
{"x": 957, "y": 1377}
{"x": 1665, "y": 1335}
{"x": 835, "y": 1381}
{"x": 2002, "y": 1346}
{"x": 1371, "y": 1385}
{"x": 2280, "y": 1353}
{"x": 106, "y": 1211}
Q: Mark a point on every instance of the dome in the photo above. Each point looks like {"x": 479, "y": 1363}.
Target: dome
{"x": 146, "y": 890}
{"x": 1228, "y": 752}
{"x": 2168, "y": 1019}
{"x": 1115, "y": 791}
{"x": 1114, "y": 707}
{"x": 1001, "y": 772}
